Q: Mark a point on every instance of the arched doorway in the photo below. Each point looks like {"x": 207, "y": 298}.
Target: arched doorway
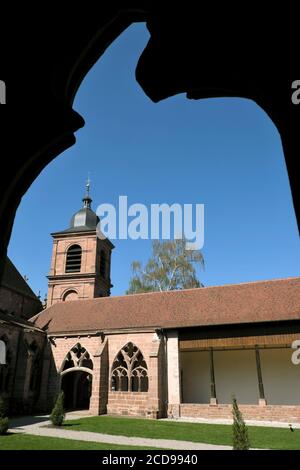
{"x": 77, "y": 388}
{"x": 76, "y": 378}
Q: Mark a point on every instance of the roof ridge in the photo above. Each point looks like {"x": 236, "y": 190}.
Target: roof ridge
{"x": 212, "y": 287}
{"x": 194, "y": 289}
{"x": 259, "y": 301}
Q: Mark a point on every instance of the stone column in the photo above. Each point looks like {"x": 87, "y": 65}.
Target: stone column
{"x": 15, "y": 393}
{"x": 173, "y": 367}
{"x": 26, "y": 390}
{"x": 155, "y": 391}
{"x": 213, "y": 396}
{"x": 262, "y": 398}
{"x": 43, "y": 404}
{"x": 100, "y": 383}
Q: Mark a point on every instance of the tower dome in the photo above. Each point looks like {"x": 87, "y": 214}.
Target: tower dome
{"x": 85, "y": 218}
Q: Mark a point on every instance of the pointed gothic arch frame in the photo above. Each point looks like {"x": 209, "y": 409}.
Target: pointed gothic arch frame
{"x": 78, "y": 355}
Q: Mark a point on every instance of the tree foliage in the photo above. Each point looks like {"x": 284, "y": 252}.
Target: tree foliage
{"x": 4, "y": 424}
{"x": 239, "y": 428}
{"x": 171, "y": 267}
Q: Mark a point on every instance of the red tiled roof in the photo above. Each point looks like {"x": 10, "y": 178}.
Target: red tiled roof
{"x": 260, "y": 301}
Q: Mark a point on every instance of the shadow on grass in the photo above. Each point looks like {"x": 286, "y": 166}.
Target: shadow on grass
{"x": 16, "y": 423}
{"x": 67, "y": 425}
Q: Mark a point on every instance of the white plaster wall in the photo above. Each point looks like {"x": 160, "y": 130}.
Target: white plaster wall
{"x": 281, "y": 377}
{"x": 235, "y": 373}
{"x": 173, "y": 368}
{"x": 195, "y": 377}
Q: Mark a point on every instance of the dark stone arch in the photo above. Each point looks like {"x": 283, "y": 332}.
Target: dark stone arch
{"x": 178, "y": 58}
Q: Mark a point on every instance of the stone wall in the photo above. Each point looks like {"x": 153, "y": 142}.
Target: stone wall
{"x": 282, "y": 413}
{"x": 149, "y": 403}
{"x": 128, "y": 403}
{"x": 22, "y": 362}
{"x": 88, "y": 283}
{"x": 103, "y": 351}
{"x": 18, "y": 304}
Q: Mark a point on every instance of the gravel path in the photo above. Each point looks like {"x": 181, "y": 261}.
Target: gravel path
{"x": 271, "y": 424}
{"x": 36, "y": 426}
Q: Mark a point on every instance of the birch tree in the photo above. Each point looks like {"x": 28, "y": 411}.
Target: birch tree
{"x": 171, "y": 267}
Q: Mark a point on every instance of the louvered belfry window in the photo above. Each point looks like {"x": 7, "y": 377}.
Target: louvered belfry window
{"x": 73, "y": 263}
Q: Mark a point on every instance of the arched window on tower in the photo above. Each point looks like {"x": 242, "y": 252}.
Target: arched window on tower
{"x": 129, "y": 370}
{"x": 102, "y": 263}
{"x": 71, "y": 294}
{"x": 73, "y": 262}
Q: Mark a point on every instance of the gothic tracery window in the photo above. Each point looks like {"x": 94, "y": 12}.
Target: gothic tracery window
{"x": 129, "y": 370}
{"x": 78, "y": 356}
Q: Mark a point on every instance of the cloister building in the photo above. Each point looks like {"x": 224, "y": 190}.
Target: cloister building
{"x": 178, "y": 353}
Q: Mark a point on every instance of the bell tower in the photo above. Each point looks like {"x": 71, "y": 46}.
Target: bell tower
{"x": 81, "y": 260}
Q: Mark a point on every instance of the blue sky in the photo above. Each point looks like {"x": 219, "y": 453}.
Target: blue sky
{"x": 223, "y": 153}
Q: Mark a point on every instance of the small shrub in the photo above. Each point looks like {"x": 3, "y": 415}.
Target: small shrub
{"x": 4, "y": 424}
{"x": 58, "y": 413}
{"x": 239, "y": 428}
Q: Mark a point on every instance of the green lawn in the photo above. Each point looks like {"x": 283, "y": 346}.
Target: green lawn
{"x": 27, "y": 442}
{"x": 260, "y": 436}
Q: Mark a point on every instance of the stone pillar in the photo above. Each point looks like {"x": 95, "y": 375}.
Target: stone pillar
{"x": 155, "y": 399}
{"x": 262, "y": 398}
{"x": 173, "y": 367}
{"x": 15, "y": 365}
{"x": 213, "y": 396}
{"x": 43, "y": 404}
{"x": 28, "y": 376}
{"x": 100, "y": 383}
